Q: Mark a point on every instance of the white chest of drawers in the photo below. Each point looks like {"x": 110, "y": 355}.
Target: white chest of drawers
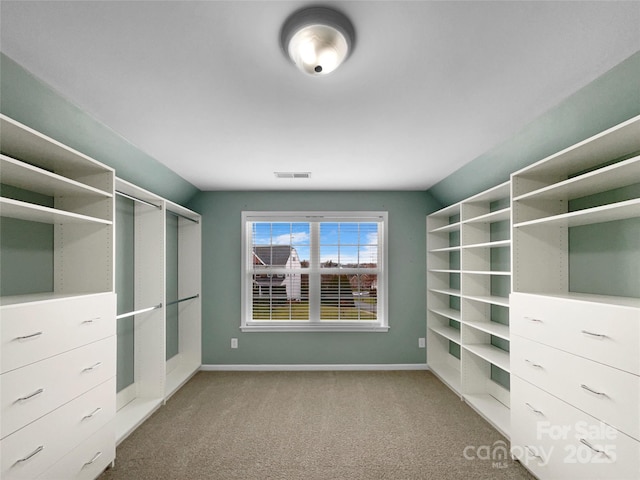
{"x": 57, "y": 387}
{"x": 575, "y": 388}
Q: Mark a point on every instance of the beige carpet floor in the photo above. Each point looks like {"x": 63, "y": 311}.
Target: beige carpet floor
{"x": 313, "y": 425}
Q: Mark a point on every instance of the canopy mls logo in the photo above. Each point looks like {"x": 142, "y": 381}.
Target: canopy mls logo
{"x": 498, "y": 453}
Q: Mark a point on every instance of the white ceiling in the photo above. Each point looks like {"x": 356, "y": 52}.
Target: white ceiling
{"x": 203, "y": 86}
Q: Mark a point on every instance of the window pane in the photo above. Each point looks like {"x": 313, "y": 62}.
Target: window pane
{"x": 280, "y": 245}
{"x": 348, "y": 297}
{"x": 368, "y": 246}
{"x": 349, "y": 245}
{"x": 281, "y": 297}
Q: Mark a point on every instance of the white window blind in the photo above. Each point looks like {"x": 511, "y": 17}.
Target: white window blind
{"x": 312, "y": 271}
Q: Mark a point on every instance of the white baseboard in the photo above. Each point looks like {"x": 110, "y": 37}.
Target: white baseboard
{"x": 312, "y": 367}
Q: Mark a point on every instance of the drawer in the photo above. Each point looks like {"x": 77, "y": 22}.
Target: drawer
{"x": 605, "y": 333}
{"x": 58, "y": 380}
{"x": 34, "y": 331}
{"x": 606, "y": 393}
{"x": 557, "y": 441}
{"x": 34, "y": 449}
{"x": 88, "y": 460}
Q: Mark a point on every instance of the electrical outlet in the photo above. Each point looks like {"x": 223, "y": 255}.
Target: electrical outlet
{"x": 234, "y": 343}
{"x": 421, "y": 343}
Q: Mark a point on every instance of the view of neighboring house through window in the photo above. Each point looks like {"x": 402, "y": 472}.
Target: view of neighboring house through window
{"x": 311, "y": 270}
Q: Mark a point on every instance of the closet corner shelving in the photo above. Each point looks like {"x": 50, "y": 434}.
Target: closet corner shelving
{"x": 468, "y": 285}
{"x": 155, "y": 377}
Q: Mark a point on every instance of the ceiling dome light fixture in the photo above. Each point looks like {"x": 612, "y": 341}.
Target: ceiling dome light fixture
{"x": 317, "y": 39}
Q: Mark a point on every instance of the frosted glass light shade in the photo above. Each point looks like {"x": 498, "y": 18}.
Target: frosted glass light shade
{"x": 318, "y": 49}
{"x": 317, "y": 40}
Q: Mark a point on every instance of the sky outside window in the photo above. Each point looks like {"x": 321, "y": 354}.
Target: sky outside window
{"x": 341, "y": 243}
{"x": 296, "y": 235}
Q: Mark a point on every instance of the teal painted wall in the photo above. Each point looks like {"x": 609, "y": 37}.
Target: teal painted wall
{"x": 26, "y": 256}
{"x": 221, "y": 240}
{"x": 610, "y": 99}
{"x": 171, "y": 279}
{"x": 605, "y": 258}
{"x": 125, "y": 285}
{"x": 28, "y": 100}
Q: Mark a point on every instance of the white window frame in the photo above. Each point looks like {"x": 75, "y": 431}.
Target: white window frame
{"x": 248, "y": 324}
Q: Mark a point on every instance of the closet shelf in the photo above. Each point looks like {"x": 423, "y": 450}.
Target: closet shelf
{"x": 486, "y": 272}
{"x": 447, "y": 228}
{"x": 43, "y": 297}
{"x": 133, "y": 415}
{"x": 448, "y": 374}
{"x": 492, "y": 299}
{"x": 446, "y": 291}
{"x": 618, "y": 175}
{"x": 26, "y": 144}
{"x": 590, "y": 297}
{"x": 497, "y": 216}
{"x": 445, "y": 249}
{"x": 447, "y": 332}
{"x": 613, "y": 143}
{"x": 496, "y": 244}
{"x": 493, "y": 328}
{"x": 498, "y": 192}
{"x": 443, "y": 270}
{"x": 491, "y": 409}
{"x": 588, "y": 216}
{"x": 491, "y": 354}
{"x": 23, "y": 175}
{"x": 37, "y": 213}
{"x": 447, "y": 212}
{"x": 447, "y": 312}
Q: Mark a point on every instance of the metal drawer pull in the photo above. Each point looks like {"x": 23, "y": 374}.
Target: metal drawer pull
{"x": 92, "y": 367}
{"x": 533, "y": 452}
{"x": 599, "y": 335}
{"x": 537, "y": 365}
{"x": 584, "y": 442}
{"x": 92, "y": 414}
{"x": 592, "y": 391}
{"x": 95, "y": 457}
{"x": 537, "y": 412}
{"x": 533, "y": 319}
{"x": 25, "y": 337}
{"x": 32, "y": 454}
{"x": 37, "y": 392}
{"x": 91, "y": 320}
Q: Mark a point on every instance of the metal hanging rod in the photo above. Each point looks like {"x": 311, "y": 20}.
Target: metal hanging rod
{"x": 131, "y": 197}
{"x": 136, "y": 312}
{"x": 183, "y": 299}
{"x": 182, "y": 216}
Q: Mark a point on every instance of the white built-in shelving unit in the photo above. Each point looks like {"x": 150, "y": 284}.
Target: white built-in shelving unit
{"x": 60, "y": 416}
{"x": 468, "y": 283}
{"x": 156, "y": 378}
{"x": 57, "y": 355}
{"x": 575, "y": 354}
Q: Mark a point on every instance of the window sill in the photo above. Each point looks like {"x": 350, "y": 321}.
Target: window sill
{"x": 315, "y": 328}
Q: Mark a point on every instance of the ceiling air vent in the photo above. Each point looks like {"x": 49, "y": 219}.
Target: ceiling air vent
{"x": 292, "y": 174}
